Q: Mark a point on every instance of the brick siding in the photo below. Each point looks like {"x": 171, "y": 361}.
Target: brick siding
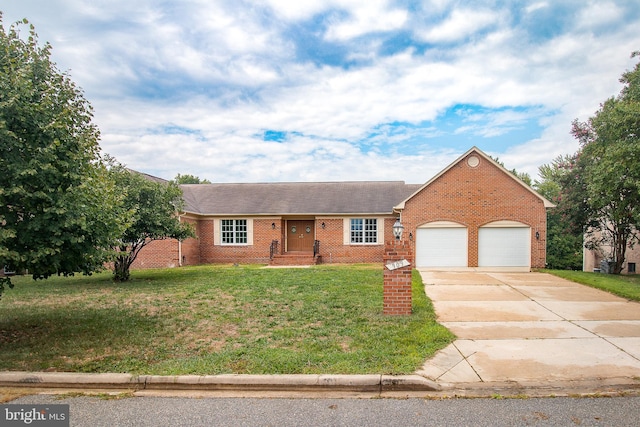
{"x": 159, "y": 253}
{"x": 263, "y": 234}
{"x": 476, "y": 196}
{"x": 333, "y": 249}
{"x": 397, "y": 292}
{"x": 191, "y": 247}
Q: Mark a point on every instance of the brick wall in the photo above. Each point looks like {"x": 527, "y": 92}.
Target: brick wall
{"x": 158, "y": 254}
{"x": 202, "y": 250}
{"x": 166, "y": 253}
{"x": 263, "y": 234}
{"x": 476, "y": 196}
{"x": 333, "y": 249}
{"x": 397, "y": 290}
{"x": 191, "y": 247}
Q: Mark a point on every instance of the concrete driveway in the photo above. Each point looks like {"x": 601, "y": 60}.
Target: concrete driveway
{"x": 531, "y": 328}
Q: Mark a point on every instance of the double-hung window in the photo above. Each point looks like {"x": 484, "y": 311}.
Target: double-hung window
{"x": 364, "y": 230}
{"x": 233, "y": 231}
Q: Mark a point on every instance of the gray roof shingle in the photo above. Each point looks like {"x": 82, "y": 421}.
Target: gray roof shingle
{"x": 301, "y": 198}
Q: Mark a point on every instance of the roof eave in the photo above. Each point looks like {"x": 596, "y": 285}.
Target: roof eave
{"x": 291, "y": 214}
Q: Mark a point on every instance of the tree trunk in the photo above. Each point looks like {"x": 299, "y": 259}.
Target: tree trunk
{"x": 128, "y": 255}
{"x": 619, "y": 251}
{"x": 121, "y": 269}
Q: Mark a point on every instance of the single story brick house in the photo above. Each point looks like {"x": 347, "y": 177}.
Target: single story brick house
{"x": 473, "y": 214}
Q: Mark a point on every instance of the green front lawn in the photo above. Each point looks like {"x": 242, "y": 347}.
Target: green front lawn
{"x": 216, "y": 319}
{"x": 626, "y": 286}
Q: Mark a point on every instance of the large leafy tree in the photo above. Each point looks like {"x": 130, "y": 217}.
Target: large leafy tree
{"x": 55, "y": 198}
{"x": 604, "y": 184}
{"x": 564, "y": 243}
{"x": 154, "y": 206}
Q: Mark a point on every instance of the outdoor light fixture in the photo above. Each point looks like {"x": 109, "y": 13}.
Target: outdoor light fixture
{"x": 537, "y": 235}
{"x": 323, "y": 225}
{"x": 397, "y": 229}
{"x": 411, "y": 236}
{"x": 273, "y": 225}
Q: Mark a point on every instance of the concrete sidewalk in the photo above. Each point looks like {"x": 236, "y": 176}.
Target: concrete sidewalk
{"x": 532, "y": 330}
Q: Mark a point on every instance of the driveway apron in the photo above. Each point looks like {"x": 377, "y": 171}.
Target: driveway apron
{"x": 531, "y": 328}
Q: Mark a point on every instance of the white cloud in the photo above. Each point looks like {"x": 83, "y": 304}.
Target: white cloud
{"x": 369, "y": 17}
{"x": 496, "y": 123}
{"x": 191, "y": 87}
{"x": 598, "y": 14}
{"x": 460, "y": 24}
{"x": 536, "y": 6}
{"x": 299, "y": 9}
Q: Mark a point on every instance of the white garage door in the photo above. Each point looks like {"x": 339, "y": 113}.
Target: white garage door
{"x": 441, "y": 246}
{"x": 504, "y": 246}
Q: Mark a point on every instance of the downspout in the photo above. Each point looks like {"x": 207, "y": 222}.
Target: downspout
{"x": 584, "y": 256}
{"x": 180, "y": 244}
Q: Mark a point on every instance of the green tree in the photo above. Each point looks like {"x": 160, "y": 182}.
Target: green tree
{"x": 604, "y": 185}
{"x": 154, "y": 206}
{"x": 564, "y": 246}
{"x": 189, "y": 179}
{"x": 55, "y": 197}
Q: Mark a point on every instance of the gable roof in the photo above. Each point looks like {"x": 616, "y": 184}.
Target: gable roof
{"x": 476, "y": 150}
{"x": 300, "y": 198}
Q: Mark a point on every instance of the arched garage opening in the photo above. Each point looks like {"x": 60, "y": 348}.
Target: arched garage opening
{"x": 505, "y": 244}
{"x": 441, "y": 244}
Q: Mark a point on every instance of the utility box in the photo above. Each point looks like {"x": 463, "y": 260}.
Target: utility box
{"x": 606, "y": 266}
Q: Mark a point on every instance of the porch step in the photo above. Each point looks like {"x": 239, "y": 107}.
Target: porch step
{"x": 296, "y": 258}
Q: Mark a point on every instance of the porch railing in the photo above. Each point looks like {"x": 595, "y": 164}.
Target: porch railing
{"x": 273, "y": 249}
{"x": 316, "y": 248}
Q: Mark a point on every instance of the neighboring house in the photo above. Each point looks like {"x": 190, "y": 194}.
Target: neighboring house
{"x": 592, "y": 259}
{"x": 473, "y": 214}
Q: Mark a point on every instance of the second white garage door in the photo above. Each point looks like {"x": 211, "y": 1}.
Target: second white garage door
{"x": 500, "y": 246}
{"x": 441, "y": 245}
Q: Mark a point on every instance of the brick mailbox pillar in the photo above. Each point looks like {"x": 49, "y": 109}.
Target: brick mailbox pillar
{"x": 397, "y": 278}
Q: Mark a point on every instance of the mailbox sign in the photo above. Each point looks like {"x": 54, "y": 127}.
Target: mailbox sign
{"x": 398, "y": 264}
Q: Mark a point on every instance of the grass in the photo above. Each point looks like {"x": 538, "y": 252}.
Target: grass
{"x": 216, "y": 319}
{"x": 626, "y": 286}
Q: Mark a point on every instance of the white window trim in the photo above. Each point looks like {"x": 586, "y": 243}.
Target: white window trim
{"x": 346, "y": 228}
{"x": 217, "y": 233}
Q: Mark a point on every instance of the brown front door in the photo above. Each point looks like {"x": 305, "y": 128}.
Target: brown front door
{"x": 300, "y": 236}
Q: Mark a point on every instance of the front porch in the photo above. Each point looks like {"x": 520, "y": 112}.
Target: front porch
{"x": 300, "y": 244}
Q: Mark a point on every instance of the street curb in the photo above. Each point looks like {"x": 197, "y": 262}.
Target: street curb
{"x": 66, "y": 380}
{"x": 225, "y": 382}
{"x": 619, "y": 386}
{"x": 311, "y": 385}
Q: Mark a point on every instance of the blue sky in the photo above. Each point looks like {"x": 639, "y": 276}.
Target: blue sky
{"x": 276, "y": 90}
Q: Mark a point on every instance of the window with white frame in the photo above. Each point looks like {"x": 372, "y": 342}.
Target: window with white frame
{"x": 364, "y": 230}
{"x": 233, "y": 231}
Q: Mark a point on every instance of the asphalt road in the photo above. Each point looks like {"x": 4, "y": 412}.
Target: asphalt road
{"x": 172, "y": 411}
